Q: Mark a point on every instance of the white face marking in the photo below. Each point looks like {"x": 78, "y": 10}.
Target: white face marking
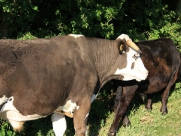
{"x": 59, "y": 124}
{"x": 139, "y": 72}
{"x": 76, "y": 35}
{"x": 69, "y": 107}
{"x": 93, "y": 97}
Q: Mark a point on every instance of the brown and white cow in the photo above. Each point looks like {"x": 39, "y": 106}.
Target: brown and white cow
{"x": 162, "y": 60}
{"x": 61, "y": 75}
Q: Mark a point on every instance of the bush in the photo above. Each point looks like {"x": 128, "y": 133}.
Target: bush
{"x": 104, "y": 19}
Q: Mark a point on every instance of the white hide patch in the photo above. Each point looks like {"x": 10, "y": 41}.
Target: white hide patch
{"x": 59, "y": 124}
{"x": 69, "y": 107}
{"x": 9, "y": 112}
{"x": 76, "y": 35}
{"x": 15, "y": 118}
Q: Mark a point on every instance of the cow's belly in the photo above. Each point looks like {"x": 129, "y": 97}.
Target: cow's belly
{"x": 17, "y": 116}
{"x": 9, "y": 112}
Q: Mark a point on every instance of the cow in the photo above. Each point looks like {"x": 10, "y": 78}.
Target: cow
{"x": 162, "y": 60}
{"x": 179, "y": 72}
{"x": 61, "y": 76}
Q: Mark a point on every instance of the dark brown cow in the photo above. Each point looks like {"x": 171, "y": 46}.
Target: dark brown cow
{"x": 162, "y": 60}
{"x": 179, "y": 73}
{"x": 61, "y": 75}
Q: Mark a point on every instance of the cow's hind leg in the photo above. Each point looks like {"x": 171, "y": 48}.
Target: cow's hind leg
{"x": 17, "y": 125}
{"x": 166, "y": 92}
{"x": 80, "y": 117}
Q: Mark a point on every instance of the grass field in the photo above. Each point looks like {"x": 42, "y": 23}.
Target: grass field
{"x": 151, "y": 123}
{"x": 144, "y": 122}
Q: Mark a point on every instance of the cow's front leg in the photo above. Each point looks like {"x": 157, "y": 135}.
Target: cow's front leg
{"x": 149, "y": 103}
{"x": 59, "y": 124}
{"x": 125, "y": 99}
{"x": 118, "y": 97}
{"x": 80, "y": 117}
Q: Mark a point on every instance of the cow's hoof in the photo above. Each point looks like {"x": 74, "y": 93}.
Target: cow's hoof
{"x": 164, "y": 111}
{"x": 112, "y": 134}
{"x": 126, "y": 122}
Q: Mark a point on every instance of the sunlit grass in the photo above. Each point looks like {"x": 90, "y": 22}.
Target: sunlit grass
{"x": 151, "y": 123}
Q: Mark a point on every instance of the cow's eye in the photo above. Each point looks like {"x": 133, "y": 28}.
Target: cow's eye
{"x": 135, "y": 56}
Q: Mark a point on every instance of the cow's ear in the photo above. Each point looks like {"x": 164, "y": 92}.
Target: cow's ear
{"x": 121, "y": 47}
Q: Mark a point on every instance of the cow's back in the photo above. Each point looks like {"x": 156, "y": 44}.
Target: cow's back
{"x": 161, "y": 58}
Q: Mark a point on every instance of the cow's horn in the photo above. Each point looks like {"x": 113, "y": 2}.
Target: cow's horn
{"x": 133, "y": 45}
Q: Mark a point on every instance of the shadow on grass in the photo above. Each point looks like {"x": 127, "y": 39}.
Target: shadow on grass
{"x": 141, "y": 99}
{"x": 100, "y": 109}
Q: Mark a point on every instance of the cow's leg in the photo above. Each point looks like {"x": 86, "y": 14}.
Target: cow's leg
{"x": 59, "y": 124}
{"x": 80, "y": 117}
{"x": 148, "y": 104}
{"x": 126, "y": 121}
{"x": 166, "y": 92}
{"x": 17, "y": 125}
{"x": 125, "y": 99}
{"x": 118, "y": 97}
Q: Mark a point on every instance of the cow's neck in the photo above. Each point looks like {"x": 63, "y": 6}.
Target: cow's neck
{"x": 105, "y": 55}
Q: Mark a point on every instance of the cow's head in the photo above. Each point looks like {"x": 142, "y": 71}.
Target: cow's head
{"x": 135, "y": 68}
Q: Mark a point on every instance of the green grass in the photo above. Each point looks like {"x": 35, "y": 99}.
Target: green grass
{"x": 144, "y": 122}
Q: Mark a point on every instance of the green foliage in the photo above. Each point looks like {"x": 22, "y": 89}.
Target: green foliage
{"x": 27, "y": 36}
{"x": 5, "y": 129}
{"x": 106, "y": 19}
